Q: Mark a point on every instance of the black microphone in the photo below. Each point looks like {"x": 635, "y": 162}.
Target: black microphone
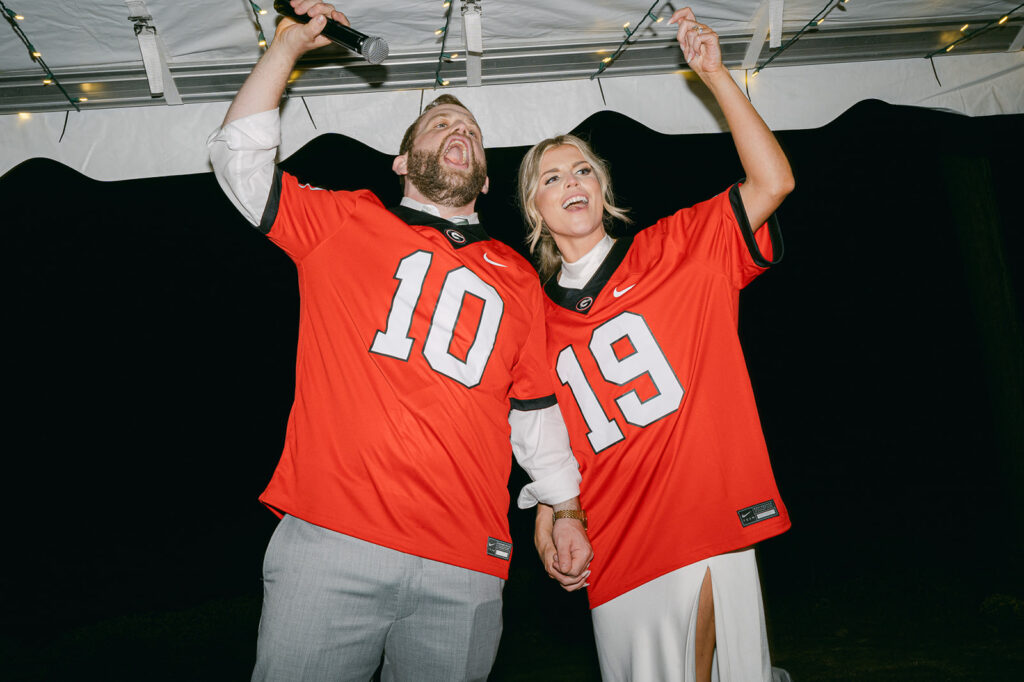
{"x": 372, "y": 48}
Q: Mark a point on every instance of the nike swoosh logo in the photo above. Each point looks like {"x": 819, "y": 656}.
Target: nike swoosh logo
{"x": 493, "y": 263}
{"x": 616, "y": 293}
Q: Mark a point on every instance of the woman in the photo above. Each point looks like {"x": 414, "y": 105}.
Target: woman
{"x": 653, "y": 387}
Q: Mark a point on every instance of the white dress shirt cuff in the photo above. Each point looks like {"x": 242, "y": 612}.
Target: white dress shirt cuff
{"x": 551, "y": 490}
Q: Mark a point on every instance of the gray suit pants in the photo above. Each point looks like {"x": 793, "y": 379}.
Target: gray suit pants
{"x": 334, "y": 605}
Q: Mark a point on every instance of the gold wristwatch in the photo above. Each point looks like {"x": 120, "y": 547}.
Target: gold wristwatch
{"x": 578, "y": 514}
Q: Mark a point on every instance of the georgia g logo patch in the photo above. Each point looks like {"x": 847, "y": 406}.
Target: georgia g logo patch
{"x": 455, "y": 236}
{"x": 584, "y": 303}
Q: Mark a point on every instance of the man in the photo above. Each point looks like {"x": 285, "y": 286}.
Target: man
{"x": 420, "y": 354}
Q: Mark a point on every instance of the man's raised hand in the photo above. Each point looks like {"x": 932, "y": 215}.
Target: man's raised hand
{"x": 301, "y": 38}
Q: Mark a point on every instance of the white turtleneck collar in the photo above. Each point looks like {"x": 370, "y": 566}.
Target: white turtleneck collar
{"x": 576, "y": 275}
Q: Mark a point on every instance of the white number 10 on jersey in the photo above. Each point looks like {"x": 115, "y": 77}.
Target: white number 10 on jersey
{"x": 646, "y": 358}
{"x": 395, "y": 341}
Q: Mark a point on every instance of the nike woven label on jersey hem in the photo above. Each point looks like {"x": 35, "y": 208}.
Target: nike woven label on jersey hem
{"x": 758, "y": 512}
{"x": 499, "y": 548}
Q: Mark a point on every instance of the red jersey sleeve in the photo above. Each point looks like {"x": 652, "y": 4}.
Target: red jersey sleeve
{"x": 712, "y": 232}
{"x": 306, "y": 216}
{"x": 532, "y": 384}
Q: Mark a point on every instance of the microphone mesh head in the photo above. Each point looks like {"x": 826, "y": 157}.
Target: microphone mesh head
{"x": 375, "y": 50}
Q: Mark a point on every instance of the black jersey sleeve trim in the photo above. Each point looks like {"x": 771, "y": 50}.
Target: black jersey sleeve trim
{"x": 273, "y": 202}
{"x": 774, "y": 231}
{"x": 534, "y": 404}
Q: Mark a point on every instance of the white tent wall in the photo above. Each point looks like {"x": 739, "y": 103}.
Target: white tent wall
{"x": 135, "y": 142}
{"x": 92, "y": 47}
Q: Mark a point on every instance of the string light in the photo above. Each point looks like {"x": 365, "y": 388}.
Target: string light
{"x": 443, "y": 56}
{"x": 605, "y": 62}
{"x": 261, "y": 39}
{"x": 815, "y": 21}
{"x": 12, "y": 18}
{"x": 841, "y": 6}
{"x": 975, "y": 33}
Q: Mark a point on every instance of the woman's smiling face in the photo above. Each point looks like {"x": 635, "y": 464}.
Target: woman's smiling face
{"x": 569, "y": 199}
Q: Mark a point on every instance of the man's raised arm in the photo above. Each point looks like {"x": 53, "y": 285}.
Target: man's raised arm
{"x": 243, "y": 150}
{"x": 263, "y": 88}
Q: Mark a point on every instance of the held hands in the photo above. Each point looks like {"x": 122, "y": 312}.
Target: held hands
{"x": 301, "y": 38}
{"x": 698, "y": 42}
{"x": 564, "y": 549}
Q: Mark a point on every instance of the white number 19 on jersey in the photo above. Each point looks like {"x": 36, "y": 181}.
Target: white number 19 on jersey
{"x": 645, "y": 358}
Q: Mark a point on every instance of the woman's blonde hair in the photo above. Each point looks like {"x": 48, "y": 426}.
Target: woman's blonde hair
{"x": 538, "y": 238}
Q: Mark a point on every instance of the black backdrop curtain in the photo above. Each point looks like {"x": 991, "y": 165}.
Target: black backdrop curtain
{"x": 151, "y": 337}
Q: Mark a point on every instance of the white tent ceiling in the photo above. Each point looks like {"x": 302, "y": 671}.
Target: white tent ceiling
{"x": 534, "y": 68}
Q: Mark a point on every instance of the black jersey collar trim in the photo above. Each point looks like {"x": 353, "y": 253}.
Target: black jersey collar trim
{"x": 457, "y": 235}
{"x": 582, "y": 300}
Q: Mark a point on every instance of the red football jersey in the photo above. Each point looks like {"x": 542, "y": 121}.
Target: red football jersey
{"x": 415, "y": 339}
{"x": 655, "y": 393}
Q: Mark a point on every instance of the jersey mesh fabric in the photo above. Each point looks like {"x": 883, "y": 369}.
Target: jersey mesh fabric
{"x": 664, "y": 485}
{"x": 380, "y": 444}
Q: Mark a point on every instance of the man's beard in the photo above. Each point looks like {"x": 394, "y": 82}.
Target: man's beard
{"x": 442, "y": 185}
